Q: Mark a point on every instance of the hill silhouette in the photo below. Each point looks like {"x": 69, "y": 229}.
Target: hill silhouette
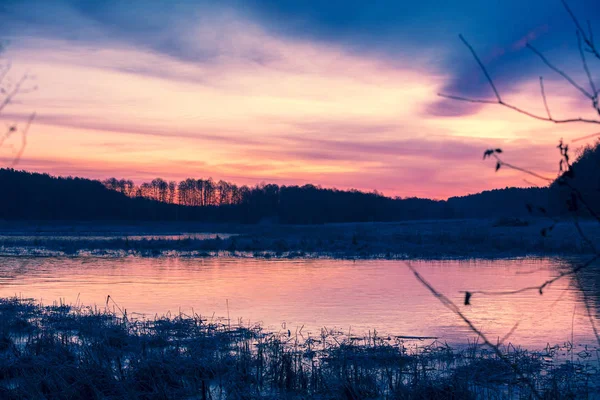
{"x": 35, "y": 196}
{"x": 580, "y": 183}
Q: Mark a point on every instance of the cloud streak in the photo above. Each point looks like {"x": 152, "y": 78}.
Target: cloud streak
{"x": 289, "y": 92}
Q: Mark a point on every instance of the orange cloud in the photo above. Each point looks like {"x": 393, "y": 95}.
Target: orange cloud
{"x": 267, "y": 108}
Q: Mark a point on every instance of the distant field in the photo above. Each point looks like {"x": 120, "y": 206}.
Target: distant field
{"x": 415, "y": 239}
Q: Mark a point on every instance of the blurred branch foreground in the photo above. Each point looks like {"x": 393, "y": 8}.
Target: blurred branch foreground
{"x": 14, "y": 137}
{"x": 576, "y": 199}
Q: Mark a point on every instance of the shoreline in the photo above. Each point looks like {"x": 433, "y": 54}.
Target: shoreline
{"x": 272, "y": 255}
{"x": 455, "y": 239}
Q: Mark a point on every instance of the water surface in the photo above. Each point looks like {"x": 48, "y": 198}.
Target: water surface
{"x": 309, "y": 294}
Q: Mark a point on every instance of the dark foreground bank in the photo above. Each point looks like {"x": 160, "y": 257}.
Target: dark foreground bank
{"x": 60, "y": 352}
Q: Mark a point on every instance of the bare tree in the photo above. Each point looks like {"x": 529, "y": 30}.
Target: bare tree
{"x": 172, "y": 191}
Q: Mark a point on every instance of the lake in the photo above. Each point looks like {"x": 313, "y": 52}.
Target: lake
{"x": 309, "y": 294}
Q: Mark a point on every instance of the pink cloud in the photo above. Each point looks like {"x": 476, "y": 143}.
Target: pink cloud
{"x": 269, "y": 108}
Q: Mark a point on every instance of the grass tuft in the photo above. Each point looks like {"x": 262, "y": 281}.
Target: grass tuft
{"x": 67, "y": 352}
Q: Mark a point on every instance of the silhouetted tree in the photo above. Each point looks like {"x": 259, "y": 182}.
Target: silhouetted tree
{"x": 313, "y": 204}
{"x": 584, "y": 177}
{"x": 172, "y": 192}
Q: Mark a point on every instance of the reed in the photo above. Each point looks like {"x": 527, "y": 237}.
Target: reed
{"x": 427, "y": 240}
{"x": 63, "y": 351}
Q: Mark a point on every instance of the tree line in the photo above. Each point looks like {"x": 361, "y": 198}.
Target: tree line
{"x": 188, "y": 192}
{"x": 34, "y": 196}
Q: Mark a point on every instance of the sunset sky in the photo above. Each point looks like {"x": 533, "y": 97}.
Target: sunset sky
{"x": 336, "y": 93}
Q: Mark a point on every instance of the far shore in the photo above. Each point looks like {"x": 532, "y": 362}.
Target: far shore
{"x": 428, "y": 239}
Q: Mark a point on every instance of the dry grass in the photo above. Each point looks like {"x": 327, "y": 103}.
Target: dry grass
{"x": 65, "y": 352}
{"x": 423, "y": 239}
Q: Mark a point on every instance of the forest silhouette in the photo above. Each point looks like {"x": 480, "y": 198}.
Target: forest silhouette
{"x": 35, "y": 196}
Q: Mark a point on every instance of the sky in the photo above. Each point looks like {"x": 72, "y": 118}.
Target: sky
{"x": 335, "y": 93}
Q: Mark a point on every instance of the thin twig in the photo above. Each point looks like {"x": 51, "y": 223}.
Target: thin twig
{"x": 11, "y": 129}
{"x": 588, "y": 207}
{"x": 585, "y": 66}
{"x": 487, "y": 75}
{"x": 23, "y": 140}
{"x": 12, "y": 93}
{"x": 590, "y": 31}
{"x": 582, "y": 199}
{"x": 586, "y": 137}
{"x": 517, "y": 168}
{"x": 509, "y": 334}
{"x": 527, "y": 181}
{"x": 544, "y": 97}
{"x": 449, "y": 304}
{"x": 538, "y": 288}
{"x": 4, "y": 72}
{"x": 501, "y": 102}
{"x": 588, "y": 308}
{"x": 583, "y": 235}
{"x": 589, "y": 41}
{"x": 560, "y": 72}
{"x": 520, "y": 110}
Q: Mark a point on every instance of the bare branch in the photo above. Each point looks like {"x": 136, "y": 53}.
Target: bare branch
{"x": 13, "y": 93}
{"x": 574, "y": 190}
{"x": 583, "y": 201}
{"x": 586, "y": 137}
{"x": 509, "y": 334}
{"x": 487, "y": 75}
{"x": 521, "y": 111}
{"x": 449, "y": 304}
{"x": 468, "y": 100}
{"x": 573, "y": 17}
{"x": 544, "y": 98}
{"x": 9, "y": 131}
{"x": 589, "y": 40}
{"x": 586, "y": 38}
{"x": 526, "y": 171}
{"x": 586, "y": 68}
{"x": 4, "y": 72}
{"x": 23, "y": 140}
{"x": 531, "y": 183}
{"x": 560, "y": 72}
{"x": 583, "y": 235}
{"x": 588, "y": 308}
{"x": 539, "y": 288}
{"x": 548, "y": 118}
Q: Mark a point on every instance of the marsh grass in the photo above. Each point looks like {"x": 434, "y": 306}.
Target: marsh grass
{"x": 432, "y": 239}
{"x": 76, "y": 352}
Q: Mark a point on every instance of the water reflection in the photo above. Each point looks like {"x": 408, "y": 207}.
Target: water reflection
{"x": 587, "y": 283}
{"x": 350, "y": 296}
